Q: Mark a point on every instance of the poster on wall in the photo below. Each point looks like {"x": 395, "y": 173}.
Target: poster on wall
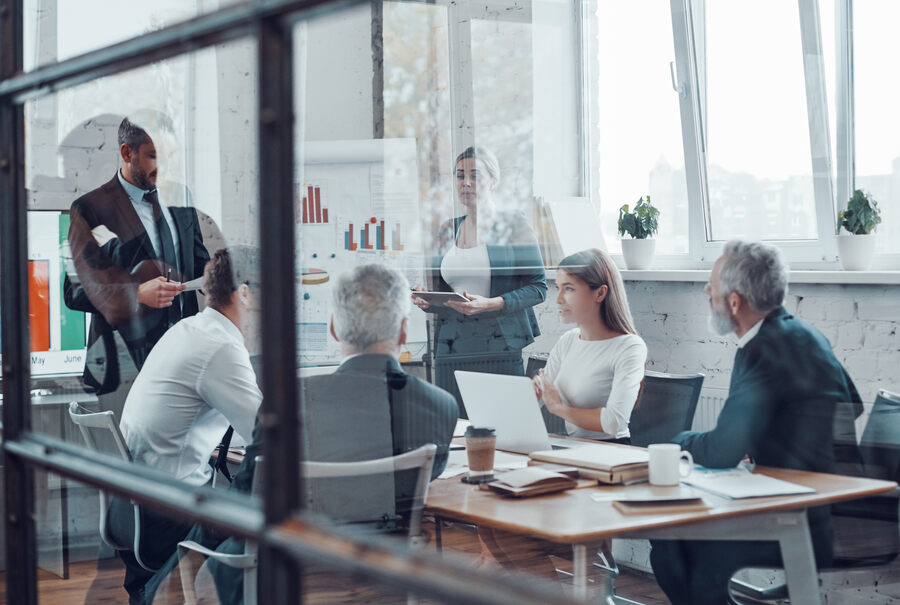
{"x": 58, "y": 335}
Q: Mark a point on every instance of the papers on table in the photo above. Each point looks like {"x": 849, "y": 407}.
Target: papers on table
{"x": 741, "y": 483}
{"x": 458, "y": 463}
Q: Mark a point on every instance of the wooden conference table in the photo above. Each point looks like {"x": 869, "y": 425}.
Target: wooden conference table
{"x": 574, "y": 518}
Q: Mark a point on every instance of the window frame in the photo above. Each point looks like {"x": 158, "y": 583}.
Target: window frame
{"x": 832, "y": 172}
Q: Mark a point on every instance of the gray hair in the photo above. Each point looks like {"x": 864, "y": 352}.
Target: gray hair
{"x": 370, "y": 303}
{"x": 757, "y": 272}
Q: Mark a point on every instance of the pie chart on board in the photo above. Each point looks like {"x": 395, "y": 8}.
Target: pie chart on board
{"x": 312, "y": 277}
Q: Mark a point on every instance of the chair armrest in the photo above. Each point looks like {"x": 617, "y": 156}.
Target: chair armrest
{"x": 243, "y": 561}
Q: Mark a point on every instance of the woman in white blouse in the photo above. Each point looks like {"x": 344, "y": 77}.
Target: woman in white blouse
{"x": 594, "y": 373}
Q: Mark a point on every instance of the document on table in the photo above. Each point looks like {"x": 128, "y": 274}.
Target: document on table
{"x": 740, "y": 483}
{"x": 458, "y": 463}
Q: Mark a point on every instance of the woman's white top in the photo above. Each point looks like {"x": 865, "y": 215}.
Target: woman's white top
{"x": 467, "y": 269}
{"x": 592, "y": 374}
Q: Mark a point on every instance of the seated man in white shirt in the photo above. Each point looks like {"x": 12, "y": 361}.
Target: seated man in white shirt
{"x": 196, "y": 382}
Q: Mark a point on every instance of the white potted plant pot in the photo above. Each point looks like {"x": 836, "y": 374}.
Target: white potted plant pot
{"x": 638, "y": 253}
{"x": 855, "y": 251}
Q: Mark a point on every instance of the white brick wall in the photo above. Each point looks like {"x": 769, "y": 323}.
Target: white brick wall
{"x": 861, "y": 322}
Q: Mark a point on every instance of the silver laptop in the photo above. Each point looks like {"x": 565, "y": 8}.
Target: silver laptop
{"x": 508, "y": 404}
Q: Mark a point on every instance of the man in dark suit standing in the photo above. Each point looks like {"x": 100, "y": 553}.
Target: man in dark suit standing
{"x": 785, "y": 386}
{"x": 132, "y": 282}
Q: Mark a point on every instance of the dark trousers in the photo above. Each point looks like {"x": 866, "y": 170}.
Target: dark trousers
{"x": 697, "y": 572}
{"x": 160, "y": 536}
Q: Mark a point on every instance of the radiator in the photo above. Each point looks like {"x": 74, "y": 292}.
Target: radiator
{"x": 708, "y": 407}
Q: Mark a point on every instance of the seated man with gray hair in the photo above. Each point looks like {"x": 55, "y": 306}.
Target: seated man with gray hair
{"x": 368, "y": 408}
{"x": 785, "y": 386}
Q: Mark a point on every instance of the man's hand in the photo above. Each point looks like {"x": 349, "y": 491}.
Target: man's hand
{"x": 476, "y": 304}
{"x": 159, "y": 293}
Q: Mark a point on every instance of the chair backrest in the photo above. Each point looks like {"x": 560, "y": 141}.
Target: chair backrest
{"x": 665, "y": 407}
{"x": 421, "y": 458}
{"x": 880, "y": 442}
{"x": 102, "y": 435}
{"x": 866, "y": 530}
{"x": 536, "y": 362}
{"x": 99, "y": 430}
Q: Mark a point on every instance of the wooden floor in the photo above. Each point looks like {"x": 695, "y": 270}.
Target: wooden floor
{"x": 90, "y": 583}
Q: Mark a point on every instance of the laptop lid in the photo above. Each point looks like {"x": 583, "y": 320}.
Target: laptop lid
{"x": 508, "y": 404}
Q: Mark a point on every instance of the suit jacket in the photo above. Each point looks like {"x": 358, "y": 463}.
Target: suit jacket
{"x": 517, "y": 275}
{"x": 785, "y": 387}
{"x": 104, "y": 284}
{"x": 368, "y": 408}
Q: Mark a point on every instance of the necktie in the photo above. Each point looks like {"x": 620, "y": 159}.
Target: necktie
{"x": 167, "y": 245}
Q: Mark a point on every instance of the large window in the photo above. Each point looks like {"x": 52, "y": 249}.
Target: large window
{"x": 762, "y": 140}
{"x": 638, "y": 148}
{"x": 760, "y": 183}
{"x": 877, "y": 123}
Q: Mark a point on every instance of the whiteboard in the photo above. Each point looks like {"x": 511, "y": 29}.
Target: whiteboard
{"x": 356, "y": 202}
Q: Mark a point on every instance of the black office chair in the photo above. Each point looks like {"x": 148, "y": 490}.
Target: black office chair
{"x": 536, "y": 363}
{"x": 665, "y": 407}
{"x": 866, "y": 531}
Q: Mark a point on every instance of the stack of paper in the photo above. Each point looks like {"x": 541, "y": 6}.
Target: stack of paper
{"x": 741, "y": 483}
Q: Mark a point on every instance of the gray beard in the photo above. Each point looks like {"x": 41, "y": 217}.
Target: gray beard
{"x": 719, "y": 324}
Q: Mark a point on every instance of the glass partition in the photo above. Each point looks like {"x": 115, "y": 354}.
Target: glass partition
{"x": 54, "y": 30}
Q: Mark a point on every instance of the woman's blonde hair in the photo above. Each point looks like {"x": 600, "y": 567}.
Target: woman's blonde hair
{"x": 485, "y": 156}
{"x": 596, "y": 268}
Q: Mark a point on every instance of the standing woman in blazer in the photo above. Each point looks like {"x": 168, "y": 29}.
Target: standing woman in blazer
{"x": 492, "y": 258}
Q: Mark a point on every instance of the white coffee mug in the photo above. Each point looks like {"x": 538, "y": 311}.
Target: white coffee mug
{"x": 665, "y": 463}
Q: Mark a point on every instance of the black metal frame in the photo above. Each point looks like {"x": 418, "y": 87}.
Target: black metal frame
{"x": 21, "y": 554}
{"x": 270, "y": 23}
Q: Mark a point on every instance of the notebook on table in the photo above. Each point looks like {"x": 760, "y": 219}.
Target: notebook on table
{"x": 531, "y": 481}
{"x": 608, "y": 463}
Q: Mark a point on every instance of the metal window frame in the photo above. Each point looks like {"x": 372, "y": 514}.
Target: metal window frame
{"x": 801, "y": 253}
{"x": 690, "y": 74}
{"x": 270, "y": 22}
{"x": 844, "y": 101}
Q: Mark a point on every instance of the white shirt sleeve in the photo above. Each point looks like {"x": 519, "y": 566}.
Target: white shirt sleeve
{"x": 557, "y": 354}
{"x": 228, "y": 384}
{"x": 627, "y": 377}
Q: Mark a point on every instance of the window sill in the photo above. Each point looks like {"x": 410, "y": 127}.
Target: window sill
{"x": 891, "y": 278}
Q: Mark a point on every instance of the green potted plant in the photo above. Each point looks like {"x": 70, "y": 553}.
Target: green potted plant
{"x": 641, "y": 224}
{"x": 856, "y": 244}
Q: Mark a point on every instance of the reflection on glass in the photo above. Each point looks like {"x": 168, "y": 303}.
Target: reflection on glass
{"x": 503, "y": 74}
{"x": 758, "y": 147}
{"x": 417, "y": 97}
{"x": 131, "y": 340}
{"x": 55, "y": 29}
{"x": 638, "y": 121}
{"x": 875, "y": 119}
